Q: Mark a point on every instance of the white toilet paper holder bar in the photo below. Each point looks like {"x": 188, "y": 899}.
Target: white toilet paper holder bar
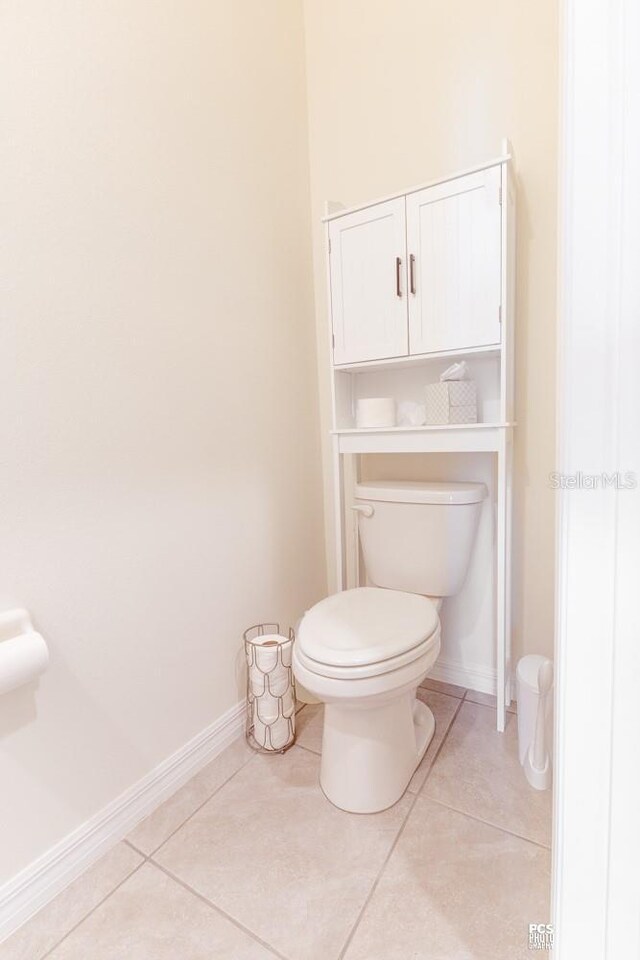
{"x": 14, "y": 622}
{"x": 24, "y": 655}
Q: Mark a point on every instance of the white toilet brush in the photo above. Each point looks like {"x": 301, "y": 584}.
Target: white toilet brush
{"x": 537, "y": 765}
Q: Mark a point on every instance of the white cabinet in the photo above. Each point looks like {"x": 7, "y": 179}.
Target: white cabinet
{"x": 368, "y": 283}
{"x": 454, "y": 243}
{"x": 419, "y": 274}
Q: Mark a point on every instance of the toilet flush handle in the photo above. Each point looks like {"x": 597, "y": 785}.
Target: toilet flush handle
{"x": 364, "y": 508}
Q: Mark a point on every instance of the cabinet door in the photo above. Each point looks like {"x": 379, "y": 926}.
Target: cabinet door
{"x": 454, "y": 242}
{"x": 368, "y": 283}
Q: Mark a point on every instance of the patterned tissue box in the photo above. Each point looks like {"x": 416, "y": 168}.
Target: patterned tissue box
{"x": 451, "y": 401}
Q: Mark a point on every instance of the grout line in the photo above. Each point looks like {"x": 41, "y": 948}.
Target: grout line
{"x": 316, "y": 753}
{"x": 146, "y": 857}
{"x": 93, "y": 910}
{"x": 217, "y": 909}
{"x": 488, "y": 823}
{"x": 442, "y": 743}
{"x": 374, "y": 886}
{"x": 423, "y": 793}
{"x": 135, "y": 849}
{"x": 490, "y": 706}
{"x": 197, "y": 809}
{"x": 454, "y": 696}
{"x": 414, "y": 800}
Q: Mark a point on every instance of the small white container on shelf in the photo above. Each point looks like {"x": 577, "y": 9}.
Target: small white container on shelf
{"x": 271, "y": 698}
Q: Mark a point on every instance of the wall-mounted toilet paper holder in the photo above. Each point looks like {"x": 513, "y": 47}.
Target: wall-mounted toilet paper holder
{"x": 24, "y": 655}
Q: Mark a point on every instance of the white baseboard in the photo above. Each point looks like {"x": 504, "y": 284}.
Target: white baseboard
{"x": 474, "y": 676}
{"x": 37, "y": 884}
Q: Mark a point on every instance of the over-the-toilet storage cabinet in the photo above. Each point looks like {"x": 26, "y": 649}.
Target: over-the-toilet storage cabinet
{"x": 416, "y": 282}
{"x": 420, "y": 273}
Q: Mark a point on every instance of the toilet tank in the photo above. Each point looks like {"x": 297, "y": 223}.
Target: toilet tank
{"x": 418, "y": 536}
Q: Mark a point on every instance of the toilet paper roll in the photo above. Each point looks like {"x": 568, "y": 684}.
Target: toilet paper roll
{"x": 22, "y": 659}
{"x": 269, "y": 673}
{"x": 274, "y": 737}
{"x": 268, "y": 709}
{"x": 375, "y": 412}
{"x": 265, "y": 651}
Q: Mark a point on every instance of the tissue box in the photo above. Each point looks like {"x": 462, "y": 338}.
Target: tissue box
{"x": 451, "y": 401}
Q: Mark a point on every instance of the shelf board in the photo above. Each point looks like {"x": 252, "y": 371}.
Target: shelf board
{"x": 417, "y": 360}
{"x": 443, "y": 438}
{"x": 436, "y": 427}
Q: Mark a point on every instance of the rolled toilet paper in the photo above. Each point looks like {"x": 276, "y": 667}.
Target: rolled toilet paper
{"x": 268, "y": 672}
{"x": 274, "y": 736}
{"x": 373, "y": 412}
{"x": 22, "y": 659}
{"x": 269, "y": 660}
{"x": 265, "y": 650}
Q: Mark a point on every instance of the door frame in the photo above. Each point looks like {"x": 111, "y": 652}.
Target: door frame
{"x": 596, "y": 895}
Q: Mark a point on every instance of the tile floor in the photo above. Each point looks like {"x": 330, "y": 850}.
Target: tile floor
{"x": 250, "y": 861}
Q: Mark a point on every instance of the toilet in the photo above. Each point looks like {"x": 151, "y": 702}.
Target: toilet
{"x": 363, "y": 652}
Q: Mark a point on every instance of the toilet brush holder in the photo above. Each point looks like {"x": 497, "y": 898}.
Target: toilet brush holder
{"x": 535, "y": 680}
{"x": 271, "y": 694}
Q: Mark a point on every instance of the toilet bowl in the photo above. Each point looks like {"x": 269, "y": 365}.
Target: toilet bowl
{"x": 364, "y": 652}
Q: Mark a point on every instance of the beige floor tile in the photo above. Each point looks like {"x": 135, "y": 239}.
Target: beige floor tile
{"x": 443, "y": 708}
{"x": 454, "y": 889}
{"x": 440, "y": 687}
{"x": 309, "y": 727}
{"x": 488, "y": 700}
{"x": 55, "y": 920}
{"x": 159, "y": 825}
{"x": 151, "y": 917}
{"x": 477, "y": 772}
{"x": 271, "y": 851}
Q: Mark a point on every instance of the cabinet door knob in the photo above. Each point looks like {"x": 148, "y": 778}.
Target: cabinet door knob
{"x": 398, "y": 265}
{"x": 412, "y": 278}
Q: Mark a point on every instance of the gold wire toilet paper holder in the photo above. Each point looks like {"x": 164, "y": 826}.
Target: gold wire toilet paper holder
{"x": 262, "y": 689}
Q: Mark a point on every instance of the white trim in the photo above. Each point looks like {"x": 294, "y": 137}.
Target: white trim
{"x": 38, "y": 883}
{"x": 345, "y": 211}
{"x": 473, "y": 676}
{"x": 596, "y": 896}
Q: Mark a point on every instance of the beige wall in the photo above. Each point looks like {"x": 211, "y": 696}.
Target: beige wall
{"x": 160, "y": 482}
{"x": 400, "y": 93}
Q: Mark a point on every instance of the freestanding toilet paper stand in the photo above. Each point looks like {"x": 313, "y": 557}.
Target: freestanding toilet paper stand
{"x": 271, "y": 695}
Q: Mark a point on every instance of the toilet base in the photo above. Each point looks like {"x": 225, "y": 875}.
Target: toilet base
{"x": 370, "y": 750}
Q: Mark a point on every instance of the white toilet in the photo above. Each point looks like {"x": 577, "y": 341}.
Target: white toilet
{"x": 364, "y": 652}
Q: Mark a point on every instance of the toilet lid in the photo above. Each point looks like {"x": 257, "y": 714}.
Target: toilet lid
{"x": 365, "y": 626}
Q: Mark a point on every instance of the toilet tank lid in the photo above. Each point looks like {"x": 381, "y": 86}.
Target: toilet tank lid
{"x": 420, "y": 491}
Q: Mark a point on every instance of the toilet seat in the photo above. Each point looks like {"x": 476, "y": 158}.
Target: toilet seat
{"x": 366, "y": 632}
